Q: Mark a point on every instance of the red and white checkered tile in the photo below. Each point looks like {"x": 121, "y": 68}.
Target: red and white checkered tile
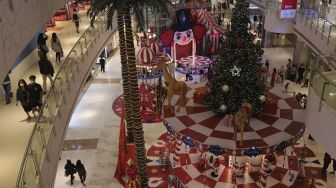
{"x": 188, "y": 173}
{"x": 198, "y": 122}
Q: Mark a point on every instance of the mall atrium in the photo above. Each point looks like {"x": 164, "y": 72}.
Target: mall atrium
{"x": 168, "y": 93}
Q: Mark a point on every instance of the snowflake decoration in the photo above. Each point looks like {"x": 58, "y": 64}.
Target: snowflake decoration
{"x": 235, "y": 71}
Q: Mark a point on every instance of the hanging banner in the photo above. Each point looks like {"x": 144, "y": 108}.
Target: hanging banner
{"x": 288, "y": 9}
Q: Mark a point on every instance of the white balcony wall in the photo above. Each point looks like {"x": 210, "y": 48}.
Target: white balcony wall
{"x": 314, "y": 37}
{"x": 276, "y": 25}
{"x": 321, "y": 124}
{"x": 20, "y": 20}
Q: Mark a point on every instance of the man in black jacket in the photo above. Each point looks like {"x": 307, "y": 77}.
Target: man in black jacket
{"x": 46, "y": 69}
{"x": 35, "y": 94}
{"x": 70, "y": 169}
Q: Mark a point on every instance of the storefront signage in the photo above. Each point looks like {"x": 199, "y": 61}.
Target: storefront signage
{"x": 288, "y": 9}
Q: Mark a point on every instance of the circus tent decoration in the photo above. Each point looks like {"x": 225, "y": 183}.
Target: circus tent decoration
{"x": 214, "y": 31}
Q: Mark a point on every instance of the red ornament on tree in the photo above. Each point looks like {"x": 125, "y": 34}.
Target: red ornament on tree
{"x": 239, "y": 43}
{"x": 249, "y": 57}
{"x": 226, "y": 42}
{"x": 229, "y": 58}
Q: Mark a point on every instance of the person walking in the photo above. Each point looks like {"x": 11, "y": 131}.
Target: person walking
{"x": 6, "y": 84}
{"x": 292, "y": 73}
{"x": 326, "y": 162}
{"x": 22, "y": 96}
{"x": 281, "y": 73}
{"x": 57, "y": 47}
{"x": 81, "y": 171}
{"x": 274, "y": 74}
{"x": 301, "y": 71}
{"x": 70, "y": 169}
{"x": 76, "y": 19}
{"x": 306, "y": 79}
{"x": 46, "y": 69}
{"x": 289, "y": 64}
{"x": 42, "y": 43}
{"x": 34, "y": 94}
{"x": 187, "y": 72}
{"x": 102, "y": 62}
{"x": 267, "y": 64}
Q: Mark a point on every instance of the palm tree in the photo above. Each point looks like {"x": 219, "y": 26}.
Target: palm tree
{"x": 123, "y": 9}
{"x": 113, "y": 7}
{"x": 158, "y": 5}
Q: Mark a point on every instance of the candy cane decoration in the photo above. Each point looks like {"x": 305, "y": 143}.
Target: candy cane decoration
{"x": 177, "y": 150}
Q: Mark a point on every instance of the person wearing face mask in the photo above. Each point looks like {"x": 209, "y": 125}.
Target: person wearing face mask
{"x": 22, "y": 96}
{"x": 35, "y": 93}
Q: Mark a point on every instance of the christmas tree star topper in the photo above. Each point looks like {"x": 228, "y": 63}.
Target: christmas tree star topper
{"x": 235, "y": 71}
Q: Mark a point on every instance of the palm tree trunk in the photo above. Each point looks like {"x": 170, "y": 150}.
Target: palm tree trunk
{"x": 125, "y": 77}
{"x": 133, "y": 79}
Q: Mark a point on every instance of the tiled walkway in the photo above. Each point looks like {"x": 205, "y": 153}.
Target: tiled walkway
{"x": 15, "y": 131}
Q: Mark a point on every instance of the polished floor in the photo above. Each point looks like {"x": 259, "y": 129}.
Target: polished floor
{"x": 93, "y": 131}
{"x": 15, "y": 130}
{"x": 94, "y": 119}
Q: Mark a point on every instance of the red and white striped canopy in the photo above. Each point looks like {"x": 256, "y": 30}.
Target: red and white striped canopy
{"x": 156, "y": 47}
{"x": 208, "y": 20}
{"x": 146, "y": 55}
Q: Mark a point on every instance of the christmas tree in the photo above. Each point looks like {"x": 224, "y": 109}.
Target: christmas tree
{"x": 235, "y": 77}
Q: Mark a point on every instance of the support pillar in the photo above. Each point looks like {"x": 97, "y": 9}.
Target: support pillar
{"x": 267, "y": 39}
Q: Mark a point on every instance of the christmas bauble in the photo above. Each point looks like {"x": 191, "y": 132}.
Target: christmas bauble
{"x": 223, "y": 107}
{"x": 249, "y": 57}
{"x": 225, "y": 88}
{"x": 229, "y": 58}
{"x": 262, "y": 98}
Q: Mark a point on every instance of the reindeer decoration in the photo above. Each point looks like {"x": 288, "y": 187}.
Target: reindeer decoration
{"x": 173, "y": 85}
{"x": 242, "y": 120}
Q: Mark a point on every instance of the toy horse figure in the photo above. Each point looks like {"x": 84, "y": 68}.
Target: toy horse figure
{"x": 173, "y": 85}
{"x": 242, "y": 120}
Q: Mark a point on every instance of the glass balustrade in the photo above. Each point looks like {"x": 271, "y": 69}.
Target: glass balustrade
{"x": 324, "y": 84}
{"x": 321, "y": 24}
{"x": 35, "y": 150}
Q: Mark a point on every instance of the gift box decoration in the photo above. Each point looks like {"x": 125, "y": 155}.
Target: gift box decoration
{"x": 228, "y": 120}
{"x": 270, "y": 106}
{"x": 199, "y": 95}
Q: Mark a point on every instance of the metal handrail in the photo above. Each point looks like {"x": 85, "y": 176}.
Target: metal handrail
{"x": 28, "y": 149}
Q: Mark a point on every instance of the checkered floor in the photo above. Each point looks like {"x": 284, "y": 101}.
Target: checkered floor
{"x": 189, "y": 175}
{"x": 199, "y": 123}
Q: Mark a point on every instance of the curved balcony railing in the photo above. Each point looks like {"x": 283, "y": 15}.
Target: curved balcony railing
{"x": 35, "y": 151}
{"x": 323, "y": 83}
{"x": 325, "y": 27}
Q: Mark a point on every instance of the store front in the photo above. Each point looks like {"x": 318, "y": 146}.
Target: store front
{"x": 65, "y": 13}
